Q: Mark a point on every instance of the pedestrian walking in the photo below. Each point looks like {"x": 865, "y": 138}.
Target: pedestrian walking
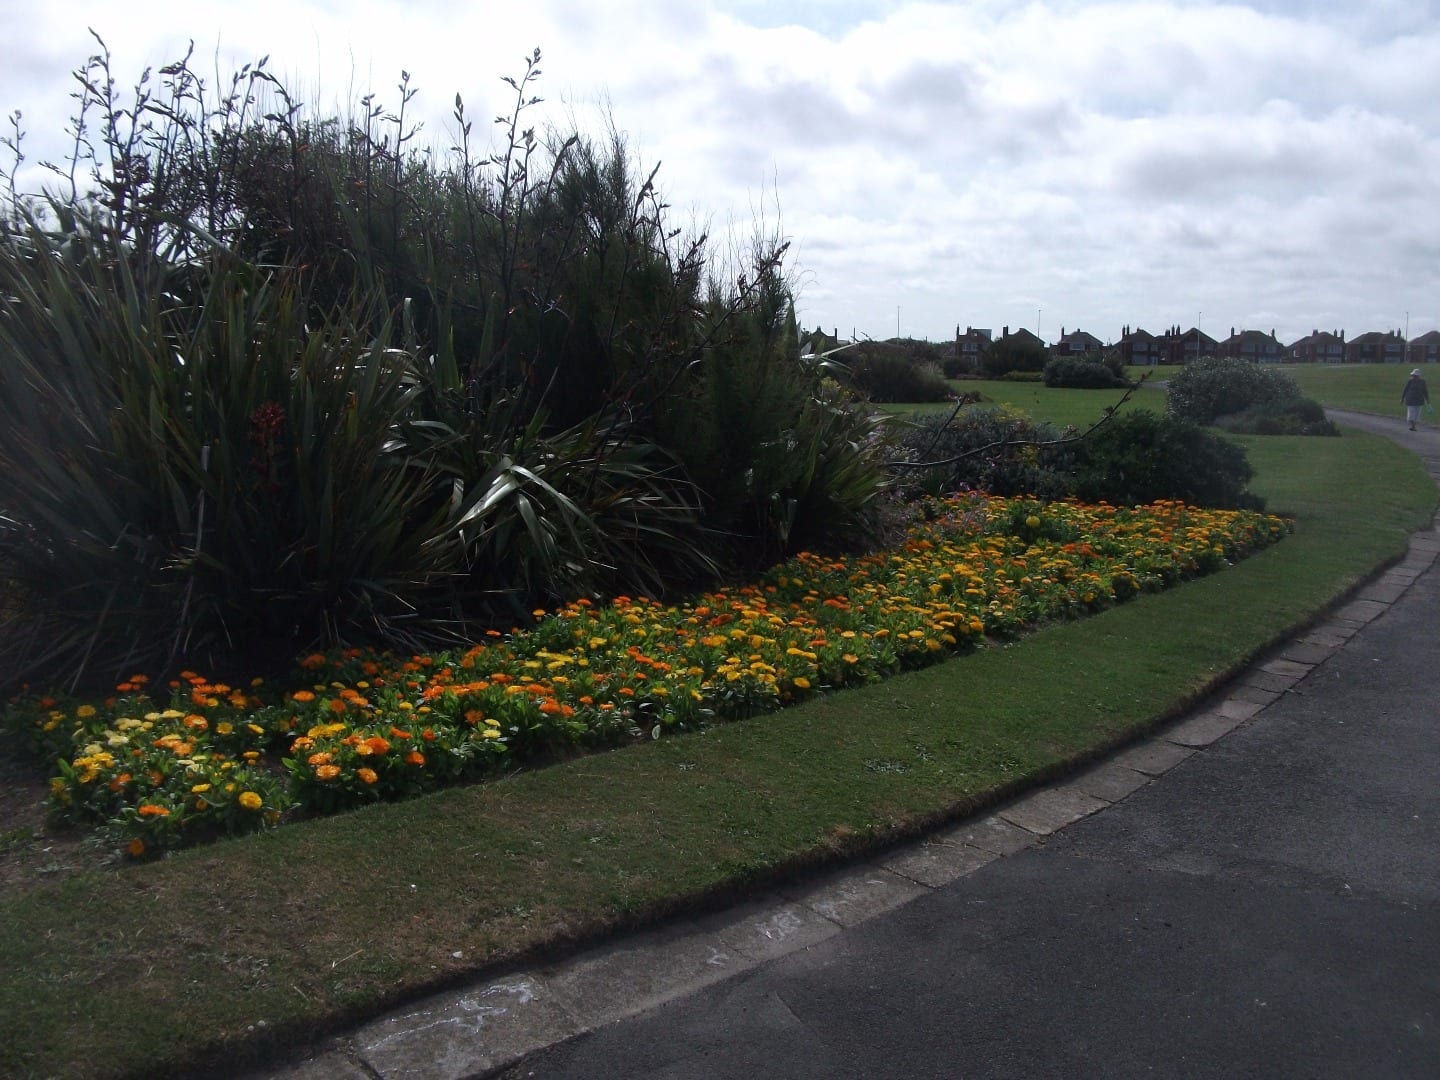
{"x": 1415, "y": 396}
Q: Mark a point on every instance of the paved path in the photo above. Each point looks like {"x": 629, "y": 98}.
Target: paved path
{"x": 1271, "y": 909}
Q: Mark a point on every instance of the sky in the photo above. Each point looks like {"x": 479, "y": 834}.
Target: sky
{"x": 1060, "y": 164}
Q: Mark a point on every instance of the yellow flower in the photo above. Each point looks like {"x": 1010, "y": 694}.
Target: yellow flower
{"x": 802, "y": 682}
{"x": 249, "y": 800}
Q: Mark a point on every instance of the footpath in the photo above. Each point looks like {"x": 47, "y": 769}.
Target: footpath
{"x": 1255, "y": 891}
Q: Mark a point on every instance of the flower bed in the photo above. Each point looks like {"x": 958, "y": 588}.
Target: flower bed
{"x": 365, "y": 726}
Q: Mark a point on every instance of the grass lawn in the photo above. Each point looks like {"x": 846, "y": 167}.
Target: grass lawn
{"x": 1362, "y": 387}
{"x": 172, "y": 966}
{"x": 1060, "y": 407}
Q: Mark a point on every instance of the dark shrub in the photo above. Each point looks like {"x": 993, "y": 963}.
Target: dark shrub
{"x": 1082, "y": 374}
{"x": 1299, "y": 416}
{"x": 1013, "y": 354}
{"x": 889, "y": 372}
{"x": 1001, "y": 454}
{"x": 1141, "y": 456}
{"x": 1218, "y": 386}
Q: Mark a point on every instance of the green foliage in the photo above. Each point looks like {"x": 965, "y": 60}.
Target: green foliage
{"x": 1293, "y": 416}
{"x": 783, "y": 463}
{"x": 1083, "y": 374}
{"x": 983, "y": 448}
{"x": 885, "y": 372}
{"x": 1212, "y": 387}
{"x": 1141, "y": 457}
{"x": 188, "y": 464}
{"x": 292, "y": 380}
{"x": 1014, "y": 353}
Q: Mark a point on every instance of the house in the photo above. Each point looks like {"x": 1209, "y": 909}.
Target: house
{"x": 1424, "y": 349}
{"x": 1022, "y": 335}
{"x": 970, "y": 345}
{"x": 1139, "y": 347}
{"x": 1252, "y": 345}
{"x": 818, "y": 342}
{"x": 1376, "y": 348}
{"x": 1319, "y": 347}
{"x": 1076, "y": 343}
{"x": 1181, "y": 346}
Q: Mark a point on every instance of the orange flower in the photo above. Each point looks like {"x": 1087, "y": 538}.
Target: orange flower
{"x": 320, "y": 758}
{"x": 151, "y": 810}
{"x": 303, "y": 695}
{"x": 377, "y": 745}
{"x": 135, "y": 848}
{"x": 415, "y": 758}
{"x": 327, "y": 772}
{"x": 367, "y": 775}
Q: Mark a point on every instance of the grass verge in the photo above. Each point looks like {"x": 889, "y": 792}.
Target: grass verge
{"x": 1371, "y": 388}
{"x": 171, "y": 967}
{"x": 1054, "y": 405}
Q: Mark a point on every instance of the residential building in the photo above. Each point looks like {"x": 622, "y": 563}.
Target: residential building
{"x": 1076, "y": 343}
{"x": 1181, "y": 346}
{"x": 1319, "y": 347}
{"x": 1022, "y": 335}
{"x": 970, "y": 345}
{"x": 1424, "y": 349}
{"x": 1252, "y": 345}
{"x": 1376, "y": 348}
{"x": 1140, "y": 347}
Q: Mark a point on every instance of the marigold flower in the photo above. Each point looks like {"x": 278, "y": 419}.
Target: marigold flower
{"x": 135, "y": 848}
{"x": 151, "y": 810}
{"x": 415, "y": 758}
{"x": 327, "y": 772}
{"x": 250, "y": 800}
{"x": 367, "y": 775}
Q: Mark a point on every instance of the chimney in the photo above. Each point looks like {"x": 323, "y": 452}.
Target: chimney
{"x": 1005, "y": 332}
{"x": 1232, "y": 331}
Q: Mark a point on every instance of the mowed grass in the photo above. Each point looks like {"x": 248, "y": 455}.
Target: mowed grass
{"x": 1371, "y": 388}
{"x": 1058, "y": 406}
{"x": 218, "y": 957}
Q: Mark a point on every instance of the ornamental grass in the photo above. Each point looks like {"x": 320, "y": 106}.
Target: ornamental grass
{"x": 157, "y": 768}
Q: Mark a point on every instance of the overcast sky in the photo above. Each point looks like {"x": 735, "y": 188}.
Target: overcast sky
{"x": 1273, "y": 164}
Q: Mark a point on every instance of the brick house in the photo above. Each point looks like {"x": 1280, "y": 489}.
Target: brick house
{"x": 1252, "y": 345}
{"x": 1023, "y": 335}
{"x": 1077, "y": 343}
{"x": 1376, "y": 348}
{"x": 1319, "y": 347}
{"x": 1181, "y": 346}
{"x": 1424, "y": 349}
{"x": 1140, "y": 347}
{"x": 971, "y": 345}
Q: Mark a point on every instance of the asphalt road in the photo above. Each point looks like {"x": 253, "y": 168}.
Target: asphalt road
{"x": 1269, "y": 908}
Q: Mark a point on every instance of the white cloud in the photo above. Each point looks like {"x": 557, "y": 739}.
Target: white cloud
{"x": 1266, "y": 163}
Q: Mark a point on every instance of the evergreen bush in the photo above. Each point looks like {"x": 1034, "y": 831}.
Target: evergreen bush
{"x": 1141, "y": 456}
{"x": 1082, "y": 373}
{"x": 890, "y": 373}
{"x": 1212, "y": 387}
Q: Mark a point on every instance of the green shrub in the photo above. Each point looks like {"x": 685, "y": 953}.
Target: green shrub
{"x": 1082, "y": 374}
{"x": 1141, "y": 457}
{"x": 1296, "y": 416}
{"x": 885, "y": 373}
{"x": 1013, "y": 354}
{"x": 984, "y": 448}
{"x": 292, "y": 379}
{"x": 1218, "y": 386}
